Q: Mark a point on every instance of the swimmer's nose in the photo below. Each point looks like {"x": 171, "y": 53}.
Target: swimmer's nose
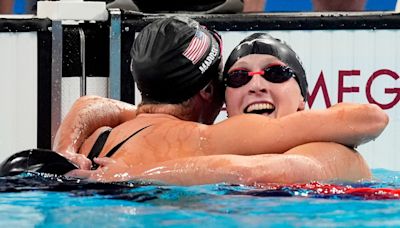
{"x": 258, "y": 84}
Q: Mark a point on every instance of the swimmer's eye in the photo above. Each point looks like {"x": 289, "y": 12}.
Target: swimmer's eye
{"x": 274, "y": 74}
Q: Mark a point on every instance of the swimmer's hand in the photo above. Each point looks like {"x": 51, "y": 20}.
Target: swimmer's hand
{"x": 108, "y": 170}
{"x": 79, "y": 160}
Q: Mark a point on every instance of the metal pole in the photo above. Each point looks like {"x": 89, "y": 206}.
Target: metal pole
{"x": 83, "y": 61}
{"x": 56, "y": 76}
{"x": 115, "y": 55}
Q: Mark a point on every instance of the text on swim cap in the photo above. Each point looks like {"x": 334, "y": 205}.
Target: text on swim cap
{"x": 209, "y": 59}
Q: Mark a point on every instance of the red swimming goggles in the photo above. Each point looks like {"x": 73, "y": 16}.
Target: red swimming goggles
{"x": 274, "y": 74}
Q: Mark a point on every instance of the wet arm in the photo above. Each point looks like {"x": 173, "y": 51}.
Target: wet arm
{"x": 347, "y": 124}
{"x": 299, "y": 165}
{"x": 88, "y": 114}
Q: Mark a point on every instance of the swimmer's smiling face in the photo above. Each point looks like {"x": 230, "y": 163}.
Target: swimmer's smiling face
{"x": 260, "y": 96}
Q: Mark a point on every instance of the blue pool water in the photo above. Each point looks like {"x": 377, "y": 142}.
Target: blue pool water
{"x": 31, "y": 200}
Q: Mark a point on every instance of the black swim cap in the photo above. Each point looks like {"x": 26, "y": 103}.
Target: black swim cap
{"x": 36, "y": 160}
{"x": 262, "y": 43}
{"x": 173, "y": 59}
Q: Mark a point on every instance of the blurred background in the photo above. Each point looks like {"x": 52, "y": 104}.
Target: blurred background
{"x": 17, "y": 6}
{"x": 29, "y": 6}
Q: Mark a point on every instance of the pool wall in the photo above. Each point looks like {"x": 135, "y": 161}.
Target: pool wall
{"x": 47, "y": 63}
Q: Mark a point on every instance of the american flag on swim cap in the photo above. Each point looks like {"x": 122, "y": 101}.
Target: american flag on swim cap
{"x": 197, "y": 47}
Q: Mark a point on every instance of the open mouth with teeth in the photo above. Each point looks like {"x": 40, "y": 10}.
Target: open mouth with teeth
{"x": 260, "y": 108}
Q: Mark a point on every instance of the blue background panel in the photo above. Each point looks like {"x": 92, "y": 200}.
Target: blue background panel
{"x": 306, "y": 5}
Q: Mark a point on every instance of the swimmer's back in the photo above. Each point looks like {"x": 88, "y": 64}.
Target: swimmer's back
{"x": 164, "y": 137}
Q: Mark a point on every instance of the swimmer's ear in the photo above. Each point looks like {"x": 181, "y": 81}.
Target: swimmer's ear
{"x": 302, "y": 104}
{"x": 207, "y": 92}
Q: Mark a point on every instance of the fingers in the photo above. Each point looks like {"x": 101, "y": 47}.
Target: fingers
{"x": 104, "y": 161}
{"x": 82, "y": 161}
{"x": 79, "y": 173}
{"x": 79, "y": 160}
{"x": 109, "y": 170}
{"x": 92, "y": 175}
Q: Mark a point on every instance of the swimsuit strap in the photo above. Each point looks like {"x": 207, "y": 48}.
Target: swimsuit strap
{"x": 99, "y": 144}
{"x": 115, "y": 148}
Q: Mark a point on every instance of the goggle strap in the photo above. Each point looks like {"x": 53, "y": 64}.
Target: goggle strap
{"x": 256, "y": 72}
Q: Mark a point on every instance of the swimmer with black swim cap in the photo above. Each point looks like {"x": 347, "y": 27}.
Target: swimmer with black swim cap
{"x": 169, "y": 143}
{"x": 263, "y": 75}
{"x": 262, "y": 43}
{"x": 175, "y": 56}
